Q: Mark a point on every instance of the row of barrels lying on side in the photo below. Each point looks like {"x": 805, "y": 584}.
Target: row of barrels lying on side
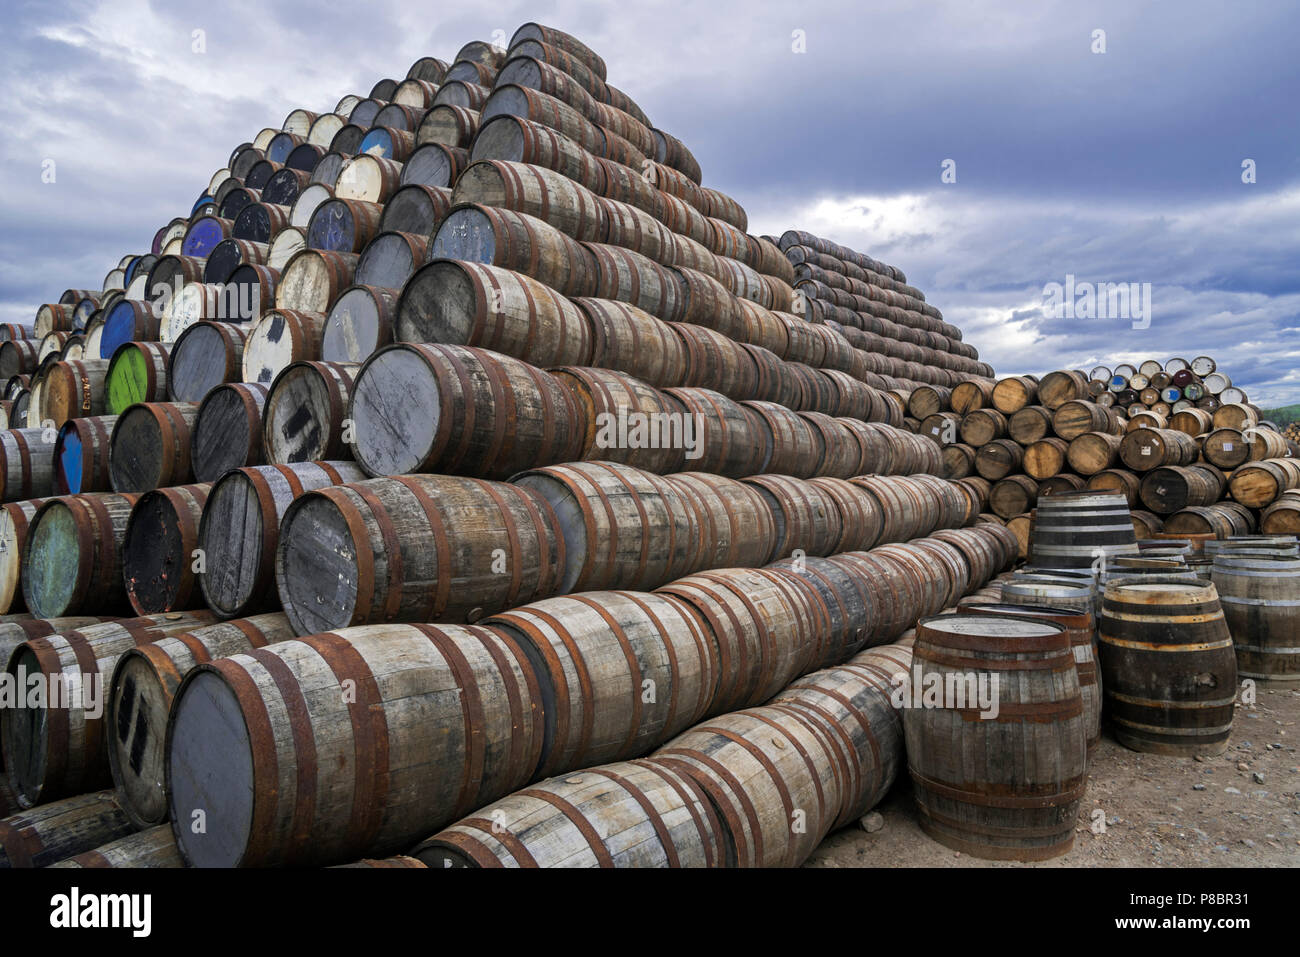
{"x": 433, "y": 548}
{"x": 543, "y": 689}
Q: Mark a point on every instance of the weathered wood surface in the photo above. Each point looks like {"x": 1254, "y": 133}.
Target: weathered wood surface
{"x": 59, "y": 830}
{"x": 227, "y": 431}
{"x": 159, "y": 550}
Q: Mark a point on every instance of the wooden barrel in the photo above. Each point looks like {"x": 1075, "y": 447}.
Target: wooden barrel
{"x": 1117, "y": 480}
{"x": 1081, "y": 628}
{"x": 137, "y": 372}
{"x": 26, "y": 463}
{"x": 279, "y": 339}
{"x": 451, "y": 698}
{"x": 736, "y": 526}
{"x": 1234, "y": 415}
{"x": 150, "y": 446}
{"x": 240, "y": 527}
{"x": 589, "y": 649}
{"x": 18, "y": 356}
{"x": 1174, "y": 488}
{"x": 155, "y": 847}
{"x": 520, "y": 140}
{"x": 1023, "y": 800}
{"x": 1260, "y": 596}
{"x": 227, "y": 432}
{"x": 158, "y": 550}
{"x": 622, "y": 527}
{"x": 1145, "y": 449}
{"x": 958, "y": 460}
{"x": 474, "y": 547}
{"x": 73, "y": 389}
{"x": 982, "y": 426}
{"x": 311, "y": 280}
{"x": 15, "y": 519}
{"x": 1045, "y": 458}
{"x": 360, "y": 322}
{"x": 1070, "y": 528}
{"x": 1283, "y": 516}
{"x": 633, "y": 341}
{"x": 1093, "y": 452}
{"x": 630, "y": 814}
{"x": 1168, "y": 668}
{"x": 545, "y": 194}
{"x": 998, "y": 459}
{"x": 1075, "y": 418}
{"x": 653, "y": 439}
{"x": 929, "y": 400}
{"x": 1259, "y": 484}
{"x": 140, "y": 694}
{"x": 807, "y": 519}
{"x": 971, "y": 395}
{"x": 454, "y": 409}
{"x": 205, "y": 355}
{"x": 81, "y": 532}
{"x": 305, "y": 415}
{"x": 501, "y": 237}
{"x": 53, "y": 751}
{"x": 1013, "y": 496}
{"x": 60, "y": 830}
{"x": 1192, "y": 421}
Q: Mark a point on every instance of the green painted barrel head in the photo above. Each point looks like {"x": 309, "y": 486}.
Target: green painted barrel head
{"x": 127, "y": 381}
{"x": 51, "y": 561}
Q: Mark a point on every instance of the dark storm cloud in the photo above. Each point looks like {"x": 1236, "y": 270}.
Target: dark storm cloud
{"x": 1115, "y": 167}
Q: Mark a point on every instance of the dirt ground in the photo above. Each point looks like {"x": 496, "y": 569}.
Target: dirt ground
{"x": 1154, "y": 814}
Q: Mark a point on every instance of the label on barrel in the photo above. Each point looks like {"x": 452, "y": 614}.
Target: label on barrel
{"x": 1146, "y": 450}
{"x": 1227, "y": 446}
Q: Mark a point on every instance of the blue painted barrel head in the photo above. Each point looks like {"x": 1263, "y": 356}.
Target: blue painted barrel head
{"x": 304, "y": 157}
{"x": 129, "y": 272}
{"x": 202, "y": 236}
{"x": 68, "y": 459}
{"x": 332, "y": 227}
{"x": 119, "y": 328}
{"x": 281, "y": 145}
{"x": 1172, "y": 394}
{"x": 378, "y": 142}
{"x": 466, "y": 234}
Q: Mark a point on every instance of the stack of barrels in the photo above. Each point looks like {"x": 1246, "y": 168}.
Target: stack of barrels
{"x": 1165, "y": 387}
{"x": 1181, "y": 468}
{"x": 468, "y": 398}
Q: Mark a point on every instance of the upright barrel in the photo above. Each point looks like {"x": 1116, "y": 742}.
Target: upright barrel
{"x": 1072, "y": 528}
{"x": 1260, "y": 594}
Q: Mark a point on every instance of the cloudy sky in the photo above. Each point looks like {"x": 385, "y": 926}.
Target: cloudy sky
{"x": 1116, "y": 166}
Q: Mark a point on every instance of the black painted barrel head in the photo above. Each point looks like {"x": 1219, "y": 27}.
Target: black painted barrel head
{"x": 359, "y": 323}
{"x": 282, "y": 188}
{"x": 384, "y": 89}
{"x": 387, "y": 261}
{"x": 396, "y": 409}
{"x": 430, "y": 165}
{"x": 228, "y": 431}
{"x": 304, "y": 157}
{"x": 254, "y": 223}
{"x": 363, "y": 114}
{"x": 24, "y": 735}
{"x": 316, "y": 565}
{"x": 438, "y": 304}
{"x": 466, "y": 234}
{"x": 222, "y": 261}
{"x": 261, "y": 172}
{"x": 504, "y": 101}
{"x": 501, "y": 139}
{"x": 154, "y": 555}
{"x": 410, "y": 210}
{"x": 209, "y": 769}
{"x": 348, "y": 139}
{"x": 136, "y": 451}
{"x": 521, "y": 71}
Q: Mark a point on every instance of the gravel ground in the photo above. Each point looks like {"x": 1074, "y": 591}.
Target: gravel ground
{"x": 1237, "y": 809}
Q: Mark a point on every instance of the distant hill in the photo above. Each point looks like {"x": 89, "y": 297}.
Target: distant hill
{"x": 1283, "y": 416}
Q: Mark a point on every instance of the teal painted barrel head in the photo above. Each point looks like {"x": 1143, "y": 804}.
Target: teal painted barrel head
{"x": 51, "y": 562}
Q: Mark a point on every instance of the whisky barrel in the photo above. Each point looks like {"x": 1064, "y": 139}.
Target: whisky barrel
{"x": 1023, "y": 802}
{"x": 56, "y": 751}
{"x": 140, "y": 694}
{"x": 449, "y": 125}
{"x": 311, "y": 280}
{"x": 1013, "y": 496}
{"x": 626, "y": 420}
{"x": 1093, "y": 452}
{"x": 736, "y": 526}
{"x": 305, "y": 415}
{"x": 150, "y": 446}
{"x": 589, "y": 649}
{"x": 475, "y": 304}
{"x": 1045, "y": 458}
{"x": 998, "y": 459}
{"x": 18, "y": 356}
{"x": 72, "y": 389}
{"x": 929, "y": 400}
{"x": 516, "y": 241}
{"x": 227, "y": 432}
{"x": 545, "y": 194}
{"x": 1117, "y": 480}
{"x": 1081, "y": 628}
{"x": 15, "y": 519}
{"x": 958, "y": 460}
{"x": 279, "y": 339}
{"x": 1168, "y": 669}
{"x": 807, "y": 519}
{"x": 155, "y": 847}
{"x": 1064, "y": 482}
{"x": 1029, "y": 424}
{"x": 1220, "y": 520}
{"x": 1260, "y": 596}
{"x": 1070, "y": 529}
{"x": 971, "y": 395}
{"x": 60, "y": 830}
{"x": 26, "y": 463}
{"x": 360, "y": 322}
{"x": 792, "y": 445}
{"x": 452, "y": 698}
{"x": 1174, "y": 488}
{"x": 1145, "y": 449}
{"x": 1057, "y": 388}
{"x": 862, "y": 522}
{"x": 1235, "y": 415}
{"x": 715, "y": 433}
{"x": 942, "y": 427}
{"x": 631, "y": 340}
{"x": 1259, "y": 484}
{"x": 1146, "y": 419}
{"x": 1192, "y": 421}
{"x": 441, "y": 534}
{"x": 1075, "y": 418}
{"x": 627, "y": 814}
{"x": 850, "y": 603}
{"x": 408, "y": 409}
{"x": 81, "y": 532}
{"x": 520, "y": 140}
{"x": 1283, "y": 516}
{"x": 982, "y": 426}
{"x": 14, "y": 632}
{"x": 205, "y": 355}
{"x": 240, "y": 528}
{"x": 772, "y": 774}
{"x": 622, "y": 527}
{"x": 158, "y": 550}
{"x": 137, "y": 372}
